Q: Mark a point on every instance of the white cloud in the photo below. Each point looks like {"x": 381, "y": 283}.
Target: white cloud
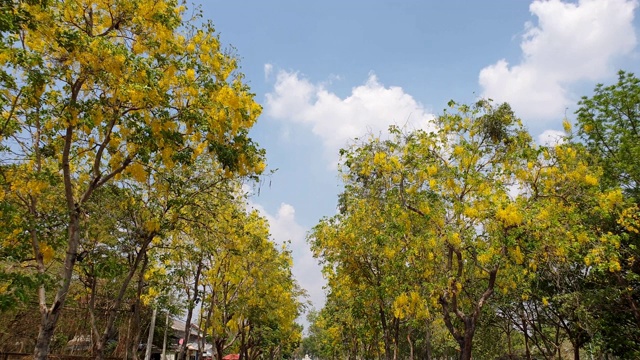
{"x": 268, "y": 69}
{"x": 308, "y": 273}
{"x": 370, "y": 108}
{"x": 570, "y": 43}
{"x": 551, "y": 137}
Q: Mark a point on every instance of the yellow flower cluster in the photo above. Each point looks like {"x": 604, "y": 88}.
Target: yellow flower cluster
{"x": 411, "y": 304}
{"x": 630, "y": 219}
{"x": 517, "y": 255}
{"x": 137, "y": 171}
{"x": 509, "y": 215}
{"x": 485, "y": 257}
{"x": 590, "y": 180}
{"x": 610, "y": 199}
{"x": 470, "y": 212}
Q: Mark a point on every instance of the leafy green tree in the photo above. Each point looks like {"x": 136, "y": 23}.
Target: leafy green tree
{"x": 609, "y": 126}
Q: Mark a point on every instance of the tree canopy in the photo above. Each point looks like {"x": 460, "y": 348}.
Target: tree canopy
{"x": 124, "y": 125}
{"x": 470, "y": 227}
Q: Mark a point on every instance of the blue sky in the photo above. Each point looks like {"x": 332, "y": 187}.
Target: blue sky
{"x": 328, "y": 71}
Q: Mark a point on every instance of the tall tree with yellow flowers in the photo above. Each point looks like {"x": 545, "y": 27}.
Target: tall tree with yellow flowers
{"x": 181, "y": 209}
{"x": 370, "y": 251}
{"x": 252, "y": 300}
{"x": 213, "y": 213}
{"x": 96, "y": 91}
{"x": 487, "y": 204}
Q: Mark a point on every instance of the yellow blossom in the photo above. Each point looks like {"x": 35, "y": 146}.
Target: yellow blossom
{"x": 509, "y": 215}
{"x": 191, "y": 74}
{"x": 590, "y": 180}
{"x": 138, "y": 172}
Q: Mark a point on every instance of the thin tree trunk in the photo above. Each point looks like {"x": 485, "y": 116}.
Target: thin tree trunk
{"x": 509, "y": 346}
{"x": 191, "y": 301}
{"x": 396, "y": 340}
{"x": 410, "y": 344}
{"x": 127, "y": 340}
{"x": 95, "y": 335}
{"x": 207, "y": 322}
{"x": 427, "y": 333}
{"x": 201, "y": 326}
{"x": 527, "y": 351}
{"x": 386, "y": 333}
{"x": 112, "y": 312}
{"x": 242, "y": 343}
{"x": 51, "y": 315}
{"x": 135, "y": 341}
{"x": 219, "y": 349}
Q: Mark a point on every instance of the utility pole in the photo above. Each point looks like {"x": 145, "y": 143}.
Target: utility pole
{"x": 147, "y": 355}
{"x": 164, "y": 341}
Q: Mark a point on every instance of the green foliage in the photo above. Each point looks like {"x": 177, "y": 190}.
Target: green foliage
{"x": 609, "y": 126}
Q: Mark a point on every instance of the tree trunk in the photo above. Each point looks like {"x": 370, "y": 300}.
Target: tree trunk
{"x": 410, "y": 344}
{"x": 44, "y": 339}
{"x": 396, "y": 335}
{"x": 465, "y": 354}
{"x": 202, "y": 325}
{"x": 50, "y": 316}
{"x": 466, "y": 342}
{"x": 95, "y": 336}
{"x": 112, "y": 312}
{"x": 219, "y": 349}
{"x": 190, "y": 306}
{"x": 207, "y": 323}
{"x": 135, "y": 341}
{"x": 427, "y": 339}
{"x": 527, "y": 351}
{"x": 242, "y": 343}
{"x": 386, "y": 333}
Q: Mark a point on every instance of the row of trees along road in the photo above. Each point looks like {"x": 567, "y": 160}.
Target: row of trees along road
{"x": 124, "y": 147}
{"x": 472, "y": 239}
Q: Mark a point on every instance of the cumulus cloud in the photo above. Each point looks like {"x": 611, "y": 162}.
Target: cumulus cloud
{"x": 571, "y": 42}
{"x": 284, "y": 227}
{"x": 551, "y": 137}
{"x": 370, "y": 108}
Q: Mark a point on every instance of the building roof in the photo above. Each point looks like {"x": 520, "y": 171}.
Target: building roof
{"x": 179, "y": 325}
